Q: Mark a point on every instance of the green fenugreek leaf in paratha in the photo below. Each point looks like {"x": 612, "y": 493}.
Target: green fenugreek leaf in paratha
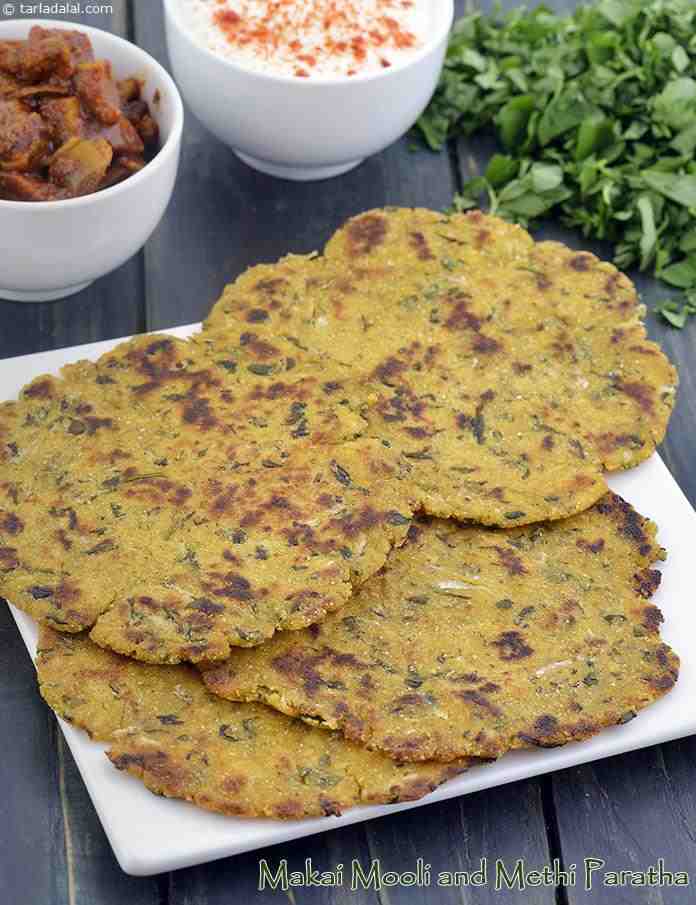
{"x": 179, "y": 509}
{"x": 475, "y": 641}
{"x": 450, "y": 362}
{"x": 239, "y": 759}
{"x": 511, "y": 374}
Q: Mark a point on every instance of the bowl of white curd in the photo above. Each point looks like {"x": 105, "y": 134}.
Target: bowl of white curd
{"x": 306, "y": 89}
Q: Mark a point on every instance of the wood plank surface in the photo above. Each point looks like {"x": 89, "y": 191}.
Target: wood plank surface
{"x": 628, "y": 810}
{"x": 449, "y": 836}
{"x": 53, "y": 850}
{"x": 237, "y": 879}
{"x": 458, "y": 835}
{"x": 33, "y": 865}
{"x": 224, "y": 217}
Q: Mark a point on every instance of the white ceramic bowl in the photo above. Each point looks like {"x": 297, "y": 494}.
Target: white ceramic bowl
{"x": 51, "y": 249}
{"x": 304, "y": 129}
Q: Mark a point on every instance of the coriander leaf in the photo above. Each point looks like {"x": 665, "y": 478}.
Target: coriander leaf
{"x": 546, "y": 176}
{"x": 675, "y": 318}
{"x": 471, "y": 57}
{"x": 464, "y": 203}
{"x": 600, "y": 47}
{"x": 681, "y": 274}
{"x": 619, "y": 12}
{"x": 680, "y": 188}
{"x": 513, "y": 119}
{"x": 676, "y": 104}
{"x": 563, "y": 113}
{"x": 501, "y": 169}
{"x": 685, "y": 142}
{"x": 434, "y": 132}
{"x": 594, "y": 135}
{"x": 688, "y": 241}
{"x": 635, "y": 130}
{"x": 530, "y": 205}
{"x": 596, "y": 115}
{"x": 649, "y": 238}
{"x": 680, "y": 58}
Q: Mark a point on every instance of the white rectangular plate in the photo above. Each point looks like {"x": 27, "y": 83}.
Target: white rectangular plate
{"x": 150, "y": 834}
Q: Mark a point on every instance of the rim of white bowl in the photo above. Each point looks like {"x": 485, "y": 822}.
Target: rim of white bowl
{"x": 173, "y": 11}
{"x": 168, "y": 148}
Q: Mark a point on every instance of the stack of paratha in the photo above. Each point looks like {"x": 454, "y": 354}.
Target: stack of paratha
{"x": 368, "y": 502}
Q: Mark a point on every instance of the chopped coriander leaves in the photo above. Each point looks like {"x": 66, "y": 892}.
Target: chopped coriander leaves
{"x": 675, "y": 311}
{"x": 596, "y": 118}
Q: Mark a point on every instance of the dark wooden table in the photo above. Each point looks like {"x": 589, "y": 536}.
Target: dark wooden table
{"x": 629, "y": 810}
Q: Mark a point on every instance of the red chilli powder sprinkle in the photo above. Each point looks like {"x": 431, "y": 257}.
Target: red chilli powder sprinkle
{"x": 312, "y": 32}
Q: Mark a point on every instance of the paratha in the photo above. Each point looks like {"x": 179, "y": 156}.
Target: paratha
{"x": 451, "y": 363}
{"x": 180, "y": 508}
{"x": 475, "y": 641}
{"x": 510, "y": 373}
{"x": 241, "y": 759}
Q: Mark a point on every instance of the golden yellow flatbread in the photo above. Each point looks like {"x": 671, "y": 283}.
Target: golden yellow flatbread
{"x": 242, "y": 759}
{"x": 183, "y": 498}
{"x": 511, "y": 374}
{"x": 180, "y": 510}
{"x": 476, "y": 641}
